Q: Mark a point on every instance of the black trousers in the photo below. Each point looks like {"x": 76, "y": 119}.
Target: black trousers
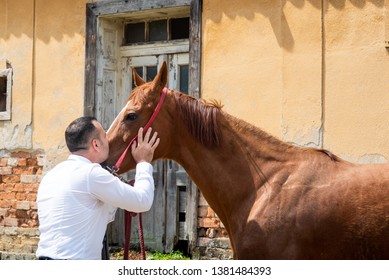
{"x": 44, "y": 258}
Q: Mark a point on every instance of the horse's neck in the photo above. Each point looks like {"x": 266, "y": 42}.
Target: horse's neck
{"x": 234, "y": 171}
{"x": 255, "y": 143}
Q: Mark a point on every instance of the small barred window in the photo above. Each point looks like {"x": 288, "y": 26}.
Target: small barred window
{"x": 5, "y": 93}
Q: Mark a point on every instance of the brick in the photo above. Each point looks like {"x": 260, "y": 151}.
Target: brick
{"x": 21, "y": 214}
{"x": 7, "y": 238}
{"x": 22, "y": 161}
{"x": 33, "y": 240}
{"x": 3, "y": 162}
{"x": 3, "y": 213}
{"x": 6, "y": 203}
{"x": 11, "y": 222}
{"x": 10, "y": 179}
{"x": 22, "y": 205}
{"x": 33, "y": 187}
{"x": 18, "y": 187}
{"x": 21, "y": 196}
{"x": 30, "y": 179}
{"x": 6, "y": 170}
{"x": 41, "y": 160}
{"x": 31, "y": 196}
{"x": 208, "y": 223}
{"x": 31, "y": 162}
{"x": 21, "y": 154}
{"x": 223, "y": 243}
{"x": 8, "y": 196}
{"x": 33, "y": 205}
{"x": 29, "y": 232}
{"x": 12, "y": 162}
{"x": 24, "y": 170}
{"x": 202, "y": 211}
{"x": 23, "y": 187}
{"x": 8, "y": 187}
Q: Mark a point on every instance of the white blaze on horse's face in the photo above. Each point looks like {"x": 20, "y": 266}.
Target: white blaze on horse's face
{"x": 117, "y": 118}
{"x": 120, "y": 127}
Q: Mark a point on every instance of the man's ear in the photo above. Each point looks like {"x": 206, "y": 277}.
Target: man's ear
{"x": 95, "y": 143}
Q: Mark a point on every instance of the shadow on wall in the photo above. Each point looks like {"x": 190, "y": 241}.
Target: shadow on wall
{"x": 55, "y": 19}
{"x": 273, "y": 10}
{"x": 46, "y": 20}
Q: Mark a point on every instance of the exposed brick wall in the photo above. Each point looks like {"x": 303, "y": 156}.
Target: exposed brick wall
{"x": 213, "y": 242}
{"x": 20, "y": 174}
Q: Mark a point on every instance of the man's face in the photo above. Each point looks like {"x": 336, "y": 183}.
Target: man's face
{"x": 103, "y": 147}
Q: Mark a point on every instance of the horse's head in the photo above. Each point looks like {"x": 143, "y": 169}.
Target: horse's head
{"x": 135, "y": 114}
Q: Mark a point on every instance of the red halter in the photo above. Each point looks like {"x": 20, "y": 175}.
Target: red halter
{"x": 117, "y": 165}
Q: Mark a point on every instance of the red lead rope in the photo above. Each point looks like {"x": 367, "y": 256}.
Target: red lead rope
{"x": 128, "y": 215}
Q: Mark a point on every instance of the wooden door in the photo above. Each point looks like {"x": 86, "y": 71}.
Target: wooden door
{"x": 165, "y": 224}
{"x": 109, "y": 56}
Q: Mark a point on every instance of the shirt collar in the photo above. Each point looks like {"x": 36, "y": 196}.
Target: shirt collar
{"x": 79, "y": 158}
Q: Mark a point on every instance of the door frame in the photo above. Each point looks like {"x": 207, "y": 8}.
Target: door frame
{"x": 112, "y": 8}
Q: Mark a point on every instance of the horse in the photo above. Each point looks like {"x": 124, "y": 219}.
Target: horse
{"x": 276, "y": 200}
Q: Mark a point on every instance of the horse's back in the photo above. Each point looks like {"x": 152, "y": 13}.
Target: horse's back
{"x": 344, "y": 215}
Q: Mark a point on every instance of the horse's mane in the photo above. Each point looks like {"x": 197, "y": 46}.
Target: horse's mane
{"x": 200, "y": 116}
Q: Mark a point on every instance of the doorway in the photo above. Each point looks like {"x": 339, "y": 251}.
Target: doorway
{"x": 142, "y": 38}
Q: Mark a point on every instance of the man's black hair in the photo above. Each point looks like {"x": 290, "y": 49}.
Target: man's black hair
{"x": 79, "y": 132}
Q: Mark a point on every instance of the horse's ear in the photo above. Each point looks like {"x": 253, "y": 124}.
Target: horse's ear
{"x": 138, "y": 81}
{"x": 161, "y": 78}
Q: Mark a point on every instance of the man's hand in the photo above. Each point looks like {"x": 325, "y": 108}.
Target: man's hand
{"x": 143, "y": 149}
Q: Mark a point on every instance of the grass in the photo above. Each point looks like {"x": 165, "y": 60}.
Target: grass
{"x": 174, "y": 255}
{"x": 154, "y": 255}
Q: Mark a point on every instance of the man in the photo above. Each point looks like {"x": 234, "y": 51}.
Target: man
{"x": 78, "y": 198}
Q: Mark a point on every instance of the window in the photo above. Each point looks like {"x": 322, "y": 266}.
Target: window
{"x": 156, "y": 31}
{"x": 5, "y": 93}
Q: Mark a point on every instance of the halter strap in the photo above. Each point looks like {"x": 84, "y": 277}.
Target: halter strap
{"x": 117, "y": 165}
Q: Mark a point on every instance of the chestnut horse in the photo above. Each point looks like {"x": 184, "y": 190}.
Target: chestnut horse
{"x": 276, "y": 201}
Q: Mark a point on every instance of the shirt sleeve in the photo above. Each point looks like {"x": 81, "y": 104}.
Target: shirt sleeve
{"x": 111, "y": 190}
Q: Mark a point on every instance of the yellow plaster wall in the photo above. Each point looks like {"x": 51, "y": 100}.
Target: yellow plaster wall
{"x": 44, "y": 42}
{"x": 357, "y": 81}
{"x": 59, "y": 73}
{"x": 313, "y": 73}
{"x": 16, "y": 47}
{"x": 242, "y": 60}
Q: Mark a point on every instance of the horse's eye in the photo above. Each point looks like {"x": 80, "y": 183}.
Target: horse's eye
{"x": 131, "y": 117}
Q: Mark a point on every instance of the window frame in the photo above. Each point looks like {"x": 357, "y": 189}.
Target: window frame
{"x": 6, "y": 115}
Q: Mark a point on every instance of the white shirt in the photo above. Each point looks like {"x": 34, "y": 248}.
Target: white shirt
{"x": 77, "y": 199}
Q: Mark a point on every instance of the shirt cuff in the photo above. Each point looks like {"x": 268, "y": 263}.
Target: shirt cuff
{"x": 144, "y": 166}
